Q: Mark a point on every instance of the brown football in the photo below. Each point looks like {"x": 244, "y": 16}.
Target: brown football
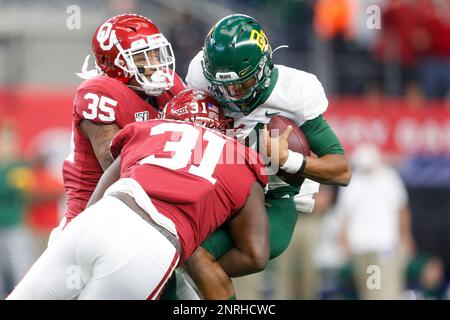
{"x": 297, "y": 142}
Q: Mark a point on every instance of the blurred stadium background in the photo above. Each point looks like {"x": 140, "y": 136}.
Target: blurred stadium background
{"x": 388, "y": 83}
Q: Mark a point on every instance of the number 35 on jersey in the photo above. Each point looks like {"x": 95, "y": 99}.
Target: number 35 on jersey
{"x": 100, "y": 107}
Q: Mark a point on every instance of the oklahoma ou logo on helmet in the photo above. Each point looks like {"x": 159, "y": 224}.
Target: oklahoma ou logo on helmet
{"x": 105, "y": 34}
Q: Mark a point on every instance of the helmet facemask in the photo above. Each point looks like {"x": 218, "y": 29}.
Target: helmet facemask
{"x": 155, "y": 54}
{"x": 241, "y": 91}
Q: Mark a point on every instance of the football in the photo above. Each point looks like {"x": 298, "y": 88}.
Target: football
{"x": 297, "y": 142}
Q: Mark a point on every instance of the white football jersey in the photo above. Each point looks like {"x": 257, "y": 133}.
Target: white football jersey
{"x": 297, "y": 95}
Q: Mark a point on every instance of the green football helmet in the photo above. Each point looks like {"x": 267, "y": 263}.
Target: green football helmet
{"x": 237, "y": 61}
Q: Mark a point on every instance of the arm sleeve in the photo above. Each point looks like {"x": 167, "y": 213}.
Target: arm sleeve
{"x": 322, "y": 140}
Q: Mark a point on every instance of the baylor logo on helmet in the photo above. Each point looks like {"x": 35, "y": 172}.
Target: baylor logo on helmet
{"x": 260, "y": 38}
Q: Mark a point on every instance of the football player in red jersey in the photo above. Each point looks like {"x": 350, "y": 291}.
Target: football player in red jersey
{"x": 172, "y": 184}
{"x": 135, "y": 79}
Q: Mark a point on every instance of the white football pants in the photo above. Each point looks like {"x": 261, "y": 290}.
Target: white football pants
{"x": 107, "y": 252}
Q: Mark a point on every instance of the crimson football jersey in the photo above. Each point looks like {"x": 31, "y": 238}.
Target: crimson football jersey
{"x": 193, "y": 175}
{"x": 102, "y": 100}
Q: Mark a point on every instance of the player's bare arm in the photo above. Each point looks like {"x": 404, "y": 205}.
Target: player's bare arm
{"x": 111, "y": 175}
{"x": 249, "y": 229}
{"x": 209, "y": 276}
{"x": 100, "y": 136}
{"x": 328, "y": 169}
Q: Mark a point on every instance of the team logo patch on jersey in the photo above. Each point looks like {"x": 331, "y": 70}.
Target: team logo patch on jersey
{"x": 142, "y": 116}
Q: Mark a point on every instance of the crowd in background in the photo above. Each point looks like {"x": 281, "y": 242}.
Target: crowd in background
{"x": 29, "y": 208}
{"x": 405, "y": 53}
{"x": 408, "y": 57}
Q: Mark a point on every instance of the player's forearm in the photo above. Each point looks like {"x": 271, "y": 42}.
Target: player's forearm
{"x": 329, "y": 169}
{"x": 239, "y": 264}
{"x": 111, "y": 175}
{"x": 249, "y": 229}
{"x": 105, "y": 159}
{"x": 212, "y": 281}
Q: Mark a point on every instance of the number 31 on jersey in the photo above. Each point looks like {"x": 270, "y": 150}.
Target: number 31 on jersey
{"x": 183, "y": 148}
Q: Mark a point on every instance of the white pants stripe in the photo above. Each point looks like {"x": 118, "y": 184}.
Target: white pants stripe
{"x": 107, "y": 252}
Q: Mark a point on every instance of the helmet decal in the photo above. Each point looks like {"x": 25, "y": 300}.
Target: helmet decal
{"x": 196, "y": 106}
{"x": 260, "y": 39}
{"x": 227, "y": 76}
{"x": 243, "y": 72}
{"x": 104, "y": 34}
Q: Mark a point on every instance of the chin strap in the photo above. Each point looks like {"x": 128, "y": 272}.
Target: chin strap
{"x": 88, "y": 74}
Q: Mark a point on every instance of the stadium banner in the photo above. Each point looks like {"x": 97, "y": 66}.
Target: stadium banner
{"x": 394, "y": 125}
{"x": 37, "y": 112}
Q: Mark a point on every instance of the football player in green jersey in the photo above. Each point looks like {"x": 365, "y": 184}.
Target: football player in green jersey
{"x": 236, "y": 65}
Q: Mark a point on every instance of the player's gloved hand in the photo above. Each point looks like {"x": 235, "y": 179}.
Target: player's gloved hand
{"x": 276, "y": 149}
